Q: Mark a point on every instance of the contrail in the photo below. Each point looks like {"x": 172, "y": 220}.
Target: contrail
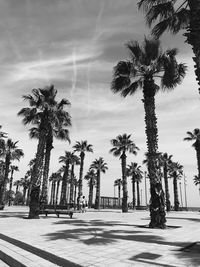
{"x": 93, "y": 42}
{"x": 74, "y": 77}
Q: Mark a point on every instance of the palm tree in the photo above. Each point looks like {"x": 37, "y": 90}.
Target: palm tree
{"x": 138, "y": 181}
{"x": 148, "y": 63}
{"x": 17, "y": 183}
{"x": 74, "y": 160}
{"x": 176, "y": 171}
{"x": 175, "y": 16}
{"x": 134, "y": 170}
{"x": 58, "y": 179}
{"x": 25, "y": 183}
{"x": 75, "y": 191}
{"x": 197, "y": 181}
{"x": 12, "y": 168}
{"x": 118, "y": 183}
{"x": 66, "y": 159}
{"x": 10, "y": 152}
{"x": 121, "y": 145}
{"x": 91, "y": 178}
{"x": 48, "y": 115}
{"x": 53, "y": 179}
{"x": 166, "y": 161}
{"x": 82, "y": 147}
{"x": 195, "y": 136}
{"x": 100, "y": 166}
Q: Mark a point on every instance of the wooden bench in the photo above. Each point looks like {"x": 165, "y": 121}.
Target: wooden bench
{"x": 58, "y": 209}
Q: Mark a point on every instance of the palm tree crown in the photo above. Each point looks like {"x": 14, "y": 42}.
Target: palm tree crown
{"x": 147, "y": 62}
{"x": 123, "y": 144}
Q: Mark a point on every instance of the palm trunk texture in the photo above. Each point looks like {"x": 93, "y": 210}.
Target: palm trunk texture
{"x": 168, "y": 204}
{"x": 157, "y": 206}
{"x": 36, "y": 176}
{"x": 193, "y": 35}
{"x": 49, "y": 147}
{"x": 80, "y": 187}
{"x": 176, "y": 201}
{"x": 63, "y": 197}
{"x": 97, "y": 202}
{"x": 133, "y": 191}
{"x": 124, "y": 183}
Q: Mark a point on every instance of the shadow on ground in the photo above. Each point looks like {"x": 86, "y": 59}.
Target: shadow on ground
{"x": 93, "y": 232}
{"x": 18, "y": 214}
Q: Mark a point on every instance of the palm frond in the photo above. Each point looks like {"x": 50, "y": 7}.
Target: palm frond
{"x": 130, "y": 90}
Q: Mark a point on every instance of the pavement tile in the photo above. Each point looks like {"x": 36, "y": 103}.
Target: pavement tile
{"x": 118, "y": 239}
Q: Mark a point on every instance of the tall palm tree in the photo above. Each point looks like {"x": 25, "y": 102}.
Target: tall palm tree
{"x": 118, "y": 183}
{"x": 100, "y": 166}
{"x": 147, "y": 63}
{"x": 195, "y": 136}
{"x": 58, "y": 179}
{"x": 66, "y": 160}
{"x": 121, "y": 145}
{"x": 166, "y": 161}
{"x": 82, "y": 147}
{"x": 91, "y": 178}
{"x": 138, "y": 181}
{"x": 25, "y": 183}
{"x": 47, "y": 114}
{"x": 197, "y": 181}
{"x": 9, "y": 152}
{"x": 176, "y": 171}
{"x": 134, "y": 170}
{"x": 53, "y": 179}
{"x": 12, "y": 168}
{"x": 17, "y": 183}
{"x": 74, "y": 160}
{"x": 175, "y": 16}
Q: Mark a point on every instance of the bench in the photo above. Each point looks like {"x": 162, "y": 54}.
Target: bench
{"x": 57, "y": 209}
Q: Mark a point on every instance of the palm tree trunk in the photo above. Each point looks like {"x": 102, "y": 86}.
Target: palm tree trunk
{"x": 7, "y": 165}
{"x": 49, "y": 147}
{"x": 119, "y": 193}
{"x": 71, "y": 185}
{"x": 193, "y": 36}
{"x": 10, "y": 188}
{"x": 80, "y": 188}
{"x": 36, "y": 176}
{"x": 75, "y": 192}
{"x": 133, "y": 191}
{"x": 51, "y": 196}
{"x": 197, "y": 148}
{"x": 176, "y": 201}
{"x": 57, "y": 190}
{"x": 124, "y": 183}
{"x": 168, "y": 204}
{"x": 97, "y": 202}
{"x": 90, "y": 198}
{"x": 157, "y": 206}
{"x": 63, "y": 197}
{"x": 138, "y": 194}
{"x": 53, "y": 192}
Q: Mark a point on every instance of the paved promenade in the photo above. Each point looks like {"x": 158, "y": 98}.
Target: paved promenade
{"x": 104, "y": 238}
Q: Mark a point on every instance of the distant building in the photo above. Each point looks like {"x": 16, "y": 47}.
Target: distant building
{"x": 110, "y": 203}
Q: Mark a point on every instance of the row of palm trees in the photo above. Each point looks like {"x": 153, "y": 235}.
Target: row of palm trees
{"x": 147, "y": 64}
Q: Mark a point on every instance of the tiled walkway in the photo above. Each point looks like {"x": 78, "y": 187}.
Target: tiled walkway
{"x": 105, "y": 238}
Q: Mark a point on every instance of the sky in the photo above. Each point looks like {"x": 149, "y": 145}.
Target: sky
{"x": 74, "y": 44}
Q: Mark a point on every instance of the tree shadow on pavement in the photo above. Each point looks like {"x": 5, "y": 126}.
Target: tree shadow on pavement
{"x": 18, "y": 214}
{"x": 93, "y": 232}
